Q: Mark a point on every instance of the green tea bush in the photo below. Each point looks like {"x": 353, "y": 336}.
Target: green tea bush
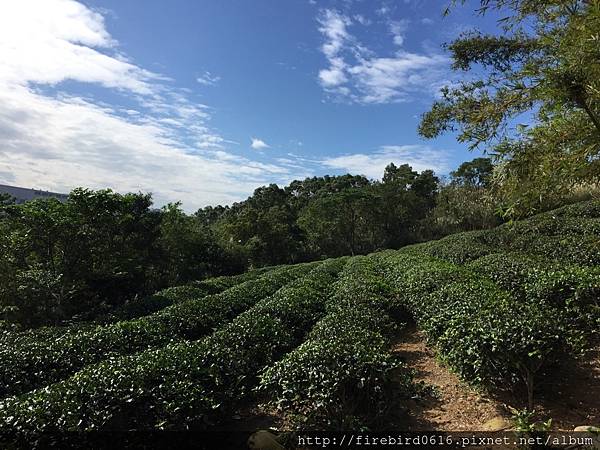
{"x": 182, "y": 385}
{"x": 30, "y": 362}
{"x": 483, "y": 332}
{"x": 177, "y": 294}
{"x": 509, "y": 270}
{"x": 130, "y": 310}
{"x": 147, "y": 305}
{"x": 572, "y": 240}
{"x": 457, "y": 248}
{"x": 574, "y": 290}
{"x": 570, "y": 234}
{"x": 341, "y": 376}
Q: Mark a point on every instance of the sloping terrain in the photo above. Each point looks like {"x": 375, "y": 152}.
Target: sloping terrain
{"x": 392, "y": 338}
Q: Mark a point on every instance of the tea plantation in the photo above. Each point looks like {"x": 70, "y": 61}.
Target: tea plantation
{"x": 502, "y": 308}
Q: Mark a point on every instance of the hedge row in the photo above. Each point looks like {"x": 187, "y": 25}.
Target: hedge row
{"x": 341, "y": 377}
{"x": 183, "y": 385}
{"x": 138, "y": 307}
{"x": 129, "y": 311}
{"x": 573, "y": 290}
{"x": 570, "y": 234}
{"x": 536, "y": 279}
{"x": 177, "y": 294}
{"x": 30, "y": 362}
{"x": 483, "y": 332}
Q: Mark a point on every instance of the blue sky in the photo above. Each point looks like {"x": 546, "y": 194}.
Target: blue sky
{"x": 203, "y": 101}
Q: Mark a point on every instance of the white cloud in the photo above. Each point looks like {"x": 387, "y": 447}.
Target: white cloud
{"x": 334, "y": 76}
{"x": 357, "y": 74}
{"x": 208, "y": 79}
{"x": 51, "y": 41}
{"x": 362, "y": 19}
{"x": 427, "y": 21}
{"x": 60, "y": 141}
{"x": 258, "y": 144}
{"x": 398, "y": 28}
{"x": 372, "y": 165}
{"x": 383, "y": 80}
{"x": 333, "y": 26}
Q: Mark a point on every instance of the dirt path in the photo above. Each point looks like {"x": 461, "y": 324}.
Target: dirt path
{"x": 454, "y": 406}
{"x": 571, "y": 396}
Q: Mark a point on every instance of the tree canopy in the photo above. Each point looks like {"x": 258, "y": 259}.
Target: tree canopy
{"x": 532, "y": 98}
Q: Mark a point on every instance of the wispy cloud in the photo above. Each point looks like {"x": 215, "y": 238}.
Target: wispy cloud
{"x": 333, "y": 26}
{"x": 258, "y": 144}
{"x": 208, "y": 79}
{"x": 362, "y": 19}
{"x": 372, "y": 165}
{"x": 356, "y": 74}
{"x": 59, "y": 140}
{"x": 397, "y": 29}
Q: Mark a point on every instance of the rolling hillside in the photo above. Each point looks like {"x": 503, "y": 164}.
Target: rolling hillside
{"x": 502, "y": 308}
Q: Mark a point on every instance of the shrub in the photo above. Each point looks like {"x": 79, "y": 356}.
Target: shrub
{"x": 31, "y": 362}
{"x": 483, "y": 332}
{"x": 182, "y": 385}
{"x": 508, "y": 270}
{"x": 177, "y": 294}
{"x": 574, "y": 290}
{"x": 568, "y": 234}
{"x": 341, "y": 376}
{"x": 457, "y": 248}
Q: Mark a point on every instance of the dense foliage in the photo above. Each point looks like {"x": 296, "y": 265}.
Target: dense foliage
{"x": 314, "y": 339}
{"x": 341, "y": 376}
{"x": 526, "y": 299}
{"x": 181, "y": 385}
{"x": 484, "y": 333}
{"x": 31, "y": 362}
{"x": 531, "y": 98}
{"x": 64, "y": 261}
{"x": 327, "y": 216}
{"x": 101, "y": 252}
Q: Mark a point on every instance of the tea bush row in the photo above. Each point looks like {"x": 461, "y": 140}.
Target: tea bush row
{"x": 137, "y": 307}
{"x": 30, "y": 362}
{"x": 574, "y": 290}
{"x": 341, "y": 377}
{"x": 569, "y": 234}
{"x": 483, "y": 332}
{"x": 183, "y": 385}
{"x": 177, "y": 294}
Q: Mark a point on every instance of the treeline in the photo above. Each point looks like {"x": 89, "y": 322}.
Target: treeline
{"x": 332, "y": 216}
{"x": 78, "y": 260}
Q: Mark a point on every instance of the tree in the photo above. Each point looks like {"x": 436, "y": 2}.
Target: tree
{"x": 343, "y": 223}
{"x": 407, "y": 196}
{"x": 66, "y": 259}
{"x": 6, "y": 199}
{"x": 189, "y": 249}
{"x": 545, "y": 64}
{"x": 477, "y": 173}
{"x": 263, "y": 227}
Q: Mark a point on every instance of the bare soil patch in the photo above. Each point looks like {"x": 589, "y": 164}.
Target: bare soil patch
{"x": 571, "y": 395}
{"x": 454, "y": 406}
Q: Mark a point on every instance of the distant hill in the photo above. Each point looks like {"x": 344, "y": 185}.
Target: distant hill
{"x": 23, "y": 195}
